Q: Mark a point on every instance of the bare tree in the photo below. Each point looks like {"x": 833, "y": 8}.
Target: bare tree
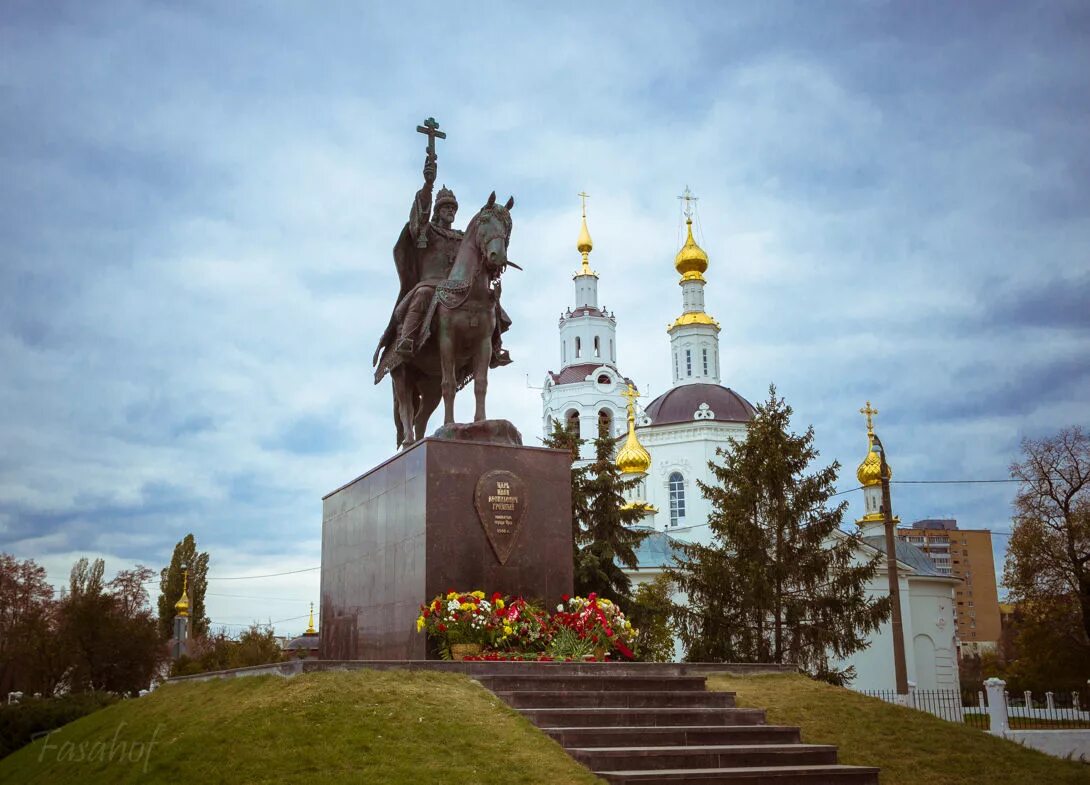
{"x": 1048, "y": 560}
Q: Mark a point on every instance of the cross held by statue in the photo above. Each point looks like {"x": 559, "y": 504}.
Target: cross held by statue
{"x": 431, "y": 129}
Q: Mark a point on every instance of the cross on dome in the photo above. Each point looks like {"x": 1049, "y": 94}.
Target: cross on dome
{"x": 688, "y": 198}
{"x": 869, "y": 413}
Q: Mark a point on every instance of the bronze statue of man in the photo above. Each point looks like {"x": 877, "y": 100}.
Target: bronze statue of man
{"x": 424, "y": 255}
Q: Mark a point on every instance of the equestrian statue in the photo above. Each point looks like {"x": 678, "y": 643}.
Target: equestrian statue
{"x": 446, "y": 328}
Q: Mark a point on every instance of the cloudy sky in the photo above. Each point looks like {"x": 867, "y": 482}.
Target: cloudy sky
{"x": 198, "y": 202}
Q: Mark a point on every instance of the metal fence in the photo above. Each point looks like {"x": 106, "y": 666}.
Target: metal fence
{"x": 1048, "y": 711}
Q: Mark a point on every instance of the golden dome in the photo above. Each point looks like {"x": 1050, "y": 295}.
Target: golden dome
{"x": 181, "y": 607}
{"x": 691, "y": 261}
{"x": 584, "y": 244}
{"x": 870, "y": 470}
{"x": 633, "y": 457}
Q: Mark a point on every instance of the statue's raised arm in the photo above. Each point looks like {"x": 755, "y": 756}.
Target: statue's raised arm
{"x": 420, "y": 212}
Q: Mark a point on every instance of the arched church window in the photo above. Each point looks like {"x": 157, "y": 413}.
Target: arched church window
{"x": 597, "y": 347}
{"x": 705, "y": 351}
{"x": 612, "y": 356}
{"x": 677, "y": 371}
{"x": 688, "y": 362}
{"x": 677, "y": 499}
{"x": 605, "y": 423}
{"x": 578, "y": 347}
{"x": 571, "y": 421}
{"x": 563, "y": 351}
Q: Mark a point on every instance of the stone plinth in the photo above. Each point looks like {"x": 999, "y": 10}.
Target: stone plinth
{"x": 412, "y": 528}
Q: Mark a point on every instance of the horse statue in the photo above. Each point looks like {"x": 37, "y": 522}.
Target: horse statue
{"x": 463, "y": 312}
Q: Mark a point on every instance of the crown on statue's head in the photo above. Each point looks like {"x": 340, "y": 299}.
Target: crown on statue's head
{"x": 445, "y": 196}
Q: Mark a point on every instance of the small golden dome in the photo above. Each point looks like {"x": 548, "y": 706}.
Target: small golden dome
{"x": 633, "y": 457}
{"x": 181, "y": 607}
{"x": 584, "y": 244}
{"x": 870, "y": 470}
{"x": 310, "y": 624}
{"x": 691, "y": 261}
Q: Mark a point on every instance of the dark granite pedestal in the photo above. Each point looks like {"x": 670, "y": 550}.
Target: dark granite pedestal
{"x": 412, "y": 527}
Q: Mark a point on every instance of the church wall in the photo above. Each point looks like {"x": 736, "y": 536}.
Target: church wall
{"x": 934, "y": 633}
{"x": 685, "y": 448}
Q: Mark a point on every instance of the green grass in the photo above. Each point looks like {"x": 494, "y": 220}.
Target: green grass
{"x": 911, "y": 747}
{"x": 397, "y": 727}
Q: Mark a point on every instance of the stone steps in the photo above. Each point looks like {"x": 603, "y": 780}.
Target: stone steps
{"x": 642, "y": 717}
{"x": 592, "y": 682}
{"x": 719, "y": 756}
{"x": 638, "y": 723}
{"x": 748, "y": 775}
{"x": 678, "y": 735}
{"x": 629, "y": 699}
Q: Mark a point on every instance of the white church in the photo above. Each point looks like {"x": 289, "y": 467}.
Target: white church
{"x": 670, "y": 442}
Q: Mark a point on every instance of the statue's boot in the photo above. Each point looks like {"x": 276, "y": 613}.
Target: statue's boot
{"x": 500, "y": 356}
{"x": 405, "y": 345}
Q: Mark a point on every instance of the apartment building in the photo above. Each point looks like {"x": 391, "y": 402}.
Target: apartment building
{"x": 964, "y": 554}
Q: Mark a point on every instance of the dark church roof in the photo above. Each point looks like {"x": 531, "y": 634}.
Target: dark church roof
{"x": 579, "y": 373}
{"x": 909, "y": 554}
{"x": 306, "y": 641}
{"x": 679, "y": 404}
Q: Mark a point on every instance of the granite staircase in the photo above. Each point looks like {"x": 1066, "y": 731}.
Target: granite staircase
{"x": 660, "y": 726}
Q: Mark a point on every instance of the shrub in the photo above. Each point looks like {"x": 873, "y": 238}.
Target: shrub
{"x": 21, "y": 723}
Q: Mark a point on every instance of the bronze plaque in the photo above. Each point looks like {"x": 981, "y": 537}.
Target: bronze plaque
{"x": 501, "y": 501}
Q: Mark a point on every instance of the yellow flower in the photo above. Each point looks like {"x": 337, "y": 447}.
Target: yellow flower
{"x": 478, "y": 594}
{"x": 419, "y": 623}
{"x": 452, "y": 595}
{"x": 506, "y": 630}
{"x": 466, "y": 606}
{"x": 499, "y": 604}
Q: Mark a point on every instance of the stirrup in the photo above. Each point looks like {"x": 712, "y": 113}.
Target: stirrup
{"x": 405, "y": 347}
{"x": 500, "y": 357}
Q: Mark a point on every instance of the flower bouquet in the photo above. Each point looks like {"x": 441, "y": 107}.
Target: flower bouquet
{"x": 462, "y": 623}
{"x": 590, "y": 626}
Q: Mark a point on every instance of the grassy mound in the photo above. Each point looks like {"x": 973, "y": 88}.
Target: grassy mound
{"x": 355, "y": 727}
{"x": 912, "y": 747}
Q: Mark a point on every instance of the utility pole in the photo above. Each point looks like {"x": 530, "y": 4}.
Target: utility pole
{"x": 900, "y": 669}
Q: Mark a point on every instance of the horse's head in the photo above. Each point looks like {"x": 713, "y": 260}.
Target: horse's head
{"x": 493, "y": 231}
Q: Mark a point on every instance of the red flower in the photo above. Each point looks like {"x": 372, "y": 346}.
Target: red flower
{"x": 592, "y": 596}
{"x": 426, "y": 613}
{"x": 442, "y": 627}
{"x": 565, "y": 597}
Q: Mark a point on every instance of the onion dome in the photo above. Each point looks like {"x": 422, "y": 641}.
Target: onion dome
{"x": 870, "y": 470}
{"x": 691, "y": 261}
{"x": 633, "y": 457}
{"x": 584, "y": 244}
{"x": 181, "y": 607}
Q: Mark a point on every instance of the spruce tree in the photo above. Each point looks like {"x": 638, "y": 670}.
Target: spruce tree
{"x": 170, "y": 588}
{"x": 601, "y": 522}
{"x": 779, "y": 581}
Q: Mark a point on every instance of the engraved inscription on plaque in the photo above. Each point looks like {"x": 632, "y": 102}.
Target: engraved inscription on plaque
{"x": 501, "y": 501}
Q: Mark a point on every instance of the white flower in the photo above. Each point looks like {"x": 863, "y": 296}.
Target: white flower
{"x": 560, "y": 607}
